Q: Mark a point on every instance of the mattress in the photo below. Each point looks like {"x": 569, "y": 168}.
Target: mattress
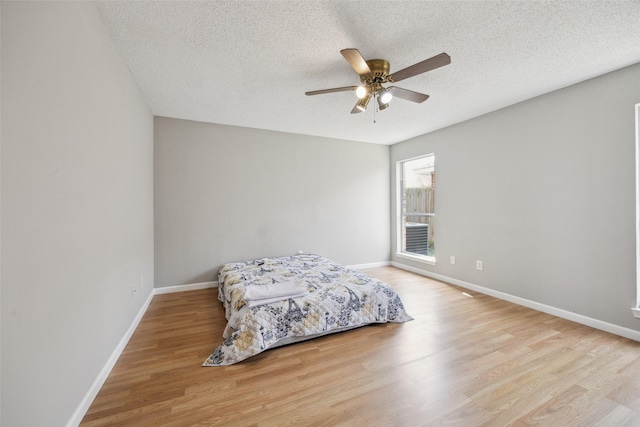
{"x": 336, "y": 299}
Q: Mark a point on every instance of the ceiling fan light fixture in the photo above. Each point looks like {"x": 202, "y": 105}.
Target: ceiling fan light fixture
{"x": 384, "y": 97}
{"x": 362, "y": 104}
{"x": 361, "y": 92}
{"x": 382, "y": 105}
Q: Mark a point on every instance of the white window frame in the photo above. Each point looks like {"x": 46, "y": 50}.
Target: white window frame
{"x": 636, "y": 310}
{"x": 429, "y": 260}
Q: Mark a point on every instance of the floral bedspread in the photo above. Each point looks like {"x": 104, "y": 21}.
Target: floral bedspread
{"x": 338, "y": 298}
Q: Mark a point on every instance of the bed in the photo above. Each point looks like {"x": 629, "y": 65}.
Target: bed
{"x": 328, "y": 298}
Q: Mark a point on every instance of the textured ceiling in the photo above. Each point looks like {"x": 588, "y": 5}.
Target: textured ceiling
{"x": 248, "y": 63}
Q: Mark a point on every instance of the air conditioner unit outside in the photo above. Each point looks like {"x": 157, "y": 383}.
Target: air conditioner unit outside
{"x": 417, "y": 238}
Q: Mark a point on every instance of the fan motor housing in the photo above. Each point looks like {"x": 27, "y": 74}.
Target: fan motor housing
{"x": 380, "y": 70}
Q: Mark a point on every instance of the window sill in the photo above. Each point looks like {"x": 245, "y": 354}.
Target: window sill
{"x": 635, "y": 311}
{"x": 418, "y": 258}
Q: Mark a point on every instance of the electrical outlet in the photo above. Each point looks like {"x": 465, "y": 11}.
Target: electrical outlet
{"x": 452, "y": 259}
{"x": 479, "y": 265}
{"x": 300, "y": 252}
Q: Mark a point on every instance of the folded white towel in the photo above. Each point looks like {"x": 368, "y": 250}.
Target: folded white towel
{"x": 265, "y": 294}
{"x": 257, "y": 302}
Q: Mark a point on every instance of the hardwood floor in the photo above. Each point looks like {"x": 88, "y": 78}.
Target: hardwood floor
{"x": 465, "y": 361}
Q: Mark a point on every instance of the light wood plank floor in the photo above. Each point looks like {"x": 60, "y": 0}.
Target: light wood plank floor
{"x": 463, "y": 361}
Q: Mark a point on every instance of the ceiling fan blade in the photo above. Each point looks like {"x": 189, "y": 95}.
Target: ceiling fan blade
{"x": 336, "y": 89}
{"x": 408, "y": 95}
{"x": 421, "y": 67}
{"x": 357, "y": 62}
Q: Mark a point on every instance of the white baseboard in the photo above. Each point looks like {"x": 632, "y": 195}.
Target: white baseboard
{"x": 184, "y": 288}
{"x": 574, "y": 317}
{"x": 97, "y": 384}
{"x": 370, "y": 265}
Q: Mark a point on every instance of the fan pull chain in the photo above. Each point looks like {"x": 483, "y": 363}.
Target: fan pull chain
{"x": 375, "y": 108}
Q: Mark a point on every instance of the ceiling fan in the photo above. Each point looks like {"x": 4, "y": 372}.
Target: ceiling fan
{"x": 375, "y": 72}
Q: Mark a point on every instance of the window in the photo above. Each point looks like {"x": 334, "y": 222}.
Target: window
{"x": 416, "y": 190}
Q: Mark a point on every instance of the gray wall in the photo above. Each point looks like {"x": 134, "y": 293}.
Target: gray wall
{"x": 77, "y": 207}
{"x": 225, "y": 193}
{"x": 543, "y": 193}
